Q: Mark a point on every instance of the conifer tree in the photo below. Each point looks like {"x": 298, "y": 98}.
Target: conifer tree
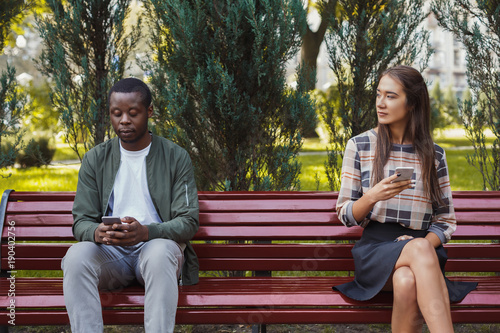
{"x": 477, "y": 25}
{"x": 221, "y": 92}
{"x": 367, "y": 38}
{"x": 86, "y": 51}
{"x": 12, "y": 102}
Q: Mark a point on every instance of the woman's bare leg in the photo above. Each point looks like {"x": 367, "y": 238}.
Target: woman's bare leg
{"x": 431, "y": 292}
{"x": 406, "y": 315}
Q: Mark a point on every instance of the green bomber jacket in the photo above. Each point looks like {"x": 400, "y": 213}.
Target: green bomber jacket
{"x": 171, "y": 184}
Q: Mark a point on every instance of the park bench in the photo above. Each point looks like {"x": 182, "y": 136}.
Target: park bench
{"x": 280, "y": 241}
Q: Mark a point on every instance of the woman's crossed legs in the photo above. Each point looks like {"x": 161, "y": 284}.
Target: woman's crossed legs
{"x": 419, "y": 290}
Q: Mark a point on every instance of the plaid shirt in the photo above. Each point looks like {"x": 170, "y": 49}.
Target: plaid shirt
{"x": 412, "y": 208}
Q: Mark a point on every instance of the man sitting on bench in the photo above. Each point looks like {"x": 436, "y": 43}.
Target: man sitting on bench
{"x": 149, "y": 183}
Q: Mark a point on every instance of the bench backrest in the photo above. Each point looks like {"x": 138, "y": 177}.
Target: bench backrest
{"x": 249, "y": 231}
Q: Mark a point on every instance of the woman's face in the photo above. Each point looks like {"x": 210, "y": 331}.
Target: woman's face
{"x": 391, "y": 103}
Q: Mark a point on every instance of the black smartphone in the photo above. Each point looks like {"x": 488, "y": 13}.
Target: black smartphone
{"x": 110, "y": 220}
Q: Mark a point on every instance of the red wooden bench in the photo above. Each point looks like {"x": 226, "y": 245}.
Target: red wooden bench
{"x": 295, "y": 232}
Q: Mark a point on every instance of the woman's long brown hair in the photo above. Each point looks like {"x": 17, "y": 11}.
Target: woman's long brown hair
{"x": 417, "y": 131}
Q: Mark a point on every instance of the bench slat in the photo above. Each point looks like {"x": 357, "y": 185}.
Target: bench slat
{"x": 284, "y": 257}
{"x": 254, "y": 218}
{"x": 42, "y": 207}
{"x": 42, "y": 196}
{"x": 323, "y": 233}
{"x": 40, "y": 220}
{"x": 263, "y": 218}
{"x": 268, "y": 205}
{"x": 241, "y": 292}
{"x": 252, "y": 316}
{"x": 57, "y": 233}
{"x": 273, "y": 264}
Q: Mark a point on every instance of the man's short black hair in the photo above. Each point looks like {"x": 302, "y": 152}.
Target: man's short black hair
{"x": 132, "y": 85}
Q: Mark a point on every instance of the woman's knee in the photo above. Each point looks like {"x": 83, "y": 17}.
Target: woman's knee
{"x": 404, "y": 283}
{"x": 421, "y": 251}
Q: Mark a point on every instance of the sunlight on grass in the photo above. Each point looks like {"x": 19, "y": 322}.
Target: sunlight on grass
{"x": 51, "y": 178}
{"x": 64, "y": 152}
{"x": 455, "y": 137}
{"x": 60, "y": 177}
{"x": 313, "y": 166}
{"x": 463, "y": 176}
{"x": 314, "y": 144}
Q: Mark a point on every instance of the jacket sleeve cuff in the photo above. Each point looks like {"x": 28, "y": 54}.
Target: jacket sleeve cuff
{"x": 153, "y": 231}
{"x": 349, "y": 215}
{"x": 440, "y": 234}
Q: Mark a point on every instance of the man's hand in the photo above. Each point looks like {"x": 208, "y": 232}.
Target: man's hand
{"x": 129, "y": 232}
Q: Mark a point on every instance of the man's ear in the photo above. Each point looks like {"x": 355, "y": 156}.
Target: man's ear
{"x": 150, "y": 111}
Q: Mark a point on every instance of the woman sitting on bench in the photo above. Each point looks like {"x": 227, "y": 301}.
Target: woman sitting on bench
{"x": 405, "y": 220}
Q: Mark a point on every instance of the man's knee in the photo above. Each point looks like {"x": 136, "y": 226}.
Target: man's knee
{"x": 161, "y": 254}
{"x": 79, "y": 256}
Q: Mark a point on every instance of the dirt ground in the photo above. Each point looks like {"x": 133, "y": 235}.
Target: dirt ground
{"x": 459, "y": 328}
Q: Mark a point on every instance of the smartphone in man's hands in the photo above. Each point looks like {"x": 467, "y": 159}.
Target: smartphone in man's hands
{"x": 406, "y": 174}
{"x": 110, "y": 220}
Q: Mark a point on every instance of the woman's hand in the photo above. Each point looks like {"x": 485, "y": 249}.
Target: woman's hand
{"x": 384, "y": 190}
{"x": 403, "y": 237}
{"x": 387, "y": 189}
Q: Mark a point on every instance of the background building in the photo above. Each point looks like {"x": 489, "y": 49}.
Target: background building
{"x": 447, "y": 65}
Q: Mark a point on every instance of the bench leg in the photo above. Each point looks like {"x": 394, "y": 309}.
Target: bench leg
{"x": 259, "y": 328}
{"x": 4, "y": 329}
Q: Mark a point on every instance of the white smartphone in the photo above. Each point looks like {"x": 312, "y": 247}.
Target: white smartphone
{"x": 110, "y": 220}
{"x": 406, "y": 174}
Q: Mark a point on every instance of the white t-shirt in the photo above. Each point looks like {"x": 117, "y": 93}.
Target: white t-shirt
{"x": 130, "y": 195}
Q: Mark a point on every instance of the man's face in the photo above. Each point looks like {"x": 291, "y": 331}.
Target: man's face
{"x": 129, "y": 118}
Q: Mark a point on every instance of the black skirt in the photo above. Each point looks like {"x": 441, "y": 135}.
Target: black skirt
{"x": 375, "y": 255}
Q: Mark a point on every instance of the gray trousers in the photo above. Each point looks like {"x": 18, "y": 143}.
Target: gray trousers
{"x": 89, "y": 267}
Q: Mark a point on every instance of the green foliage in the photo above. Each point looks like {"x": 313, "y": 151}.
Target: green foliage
{"x": 12, "y": 103}
{"x": 444, "y": 108}
{"x": 86, "y": 51}
{"x": 219, "y": 82}
{"x": 37, "y": 152}
{"x": 8, "y": 154}
{"x": 477, "y": 25}
{"x": 11, "y": 99}
{"x": 367, "y": 38}
{"x": 10, "y": 12}
{"x": 41, "y": 116}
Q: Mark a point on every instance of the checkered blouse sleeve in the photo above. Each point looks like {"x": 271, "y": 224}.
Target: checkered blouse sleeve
{"x": 351, "y": 187}
{"x": 444, "y": 222}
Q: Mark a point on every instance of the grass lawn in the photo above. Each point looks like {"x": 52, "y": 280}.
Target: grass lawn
{"x": 50, "y": 178}
{"x": 313, "y": 177}
{"x": 463, "y": 176}
{"x": 61, "y": 177}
